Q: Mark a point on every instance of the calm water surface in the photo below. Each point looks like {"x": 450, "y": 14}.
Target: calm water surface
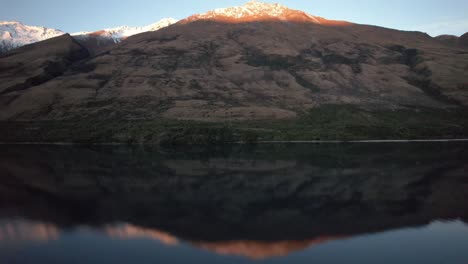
{"x": 328, "y": 203}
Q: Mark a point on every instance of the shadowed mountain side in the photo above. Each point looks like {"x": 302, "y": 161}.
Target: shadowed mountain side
{"x": 36, "y": 64}
{"x": 214, "y": 71}
{"x": 95, "y": 43}
{"x": 270, "y": 193}
{"x": 464, "y": 40}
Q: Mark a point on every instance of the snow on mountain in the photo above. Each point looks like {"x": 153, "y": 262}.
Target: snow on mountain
{"x": 120, "y": 33}
{"x": 255, "y": 10}
{"x": 14, "y": 34}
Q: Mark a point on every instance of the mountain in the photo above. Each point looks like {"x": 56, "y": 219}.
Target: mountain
{"x": 448, "y": 39}
{"x": 464, "y": 40}
{"x": 120, "y": 33}
{"x": 15, "y": 34}
{"x": 328, "y": 79}
{"x": 455, "y": 41}
{"x": 99, "y": 40}
{"x": 37, "y": 63}
{"x": 258, "y": 11}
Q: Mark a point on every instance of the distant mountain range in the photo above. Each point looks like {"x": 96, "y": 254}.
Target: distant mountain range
{"x": 258, "y": 61}
{"x": 14, "y": 34}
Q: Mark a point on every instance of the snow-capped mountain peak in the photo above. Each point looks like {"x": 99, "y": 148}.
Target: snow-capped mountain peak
{"x": 123, "y": 32}
{"x": 15, "y": 34}
{"x": 255, "y": 10}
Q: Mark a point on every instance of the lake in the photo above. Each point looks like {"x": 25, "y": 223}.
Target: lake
{"x": 271, "y": 203}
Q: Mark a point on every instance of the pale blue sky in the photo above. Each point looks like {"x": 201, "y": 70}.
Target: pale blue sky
{"x": 432, "y": 16}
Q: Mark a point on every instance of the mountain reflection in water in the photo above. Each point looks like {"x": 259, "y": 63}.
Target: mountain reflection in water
{"x": 326, "y": 203}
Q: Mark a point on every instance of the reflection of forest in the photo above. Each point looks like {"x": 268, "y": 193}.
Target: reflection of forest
{"x": 269, "y": 194}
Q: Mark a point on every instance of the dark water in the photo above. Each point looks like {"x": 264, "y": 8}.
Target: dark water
{"x": 330, "y": 203}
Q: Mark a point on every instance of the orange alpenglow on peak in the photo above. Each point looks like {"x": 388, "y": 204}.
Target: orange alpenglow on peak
{"x": 260, "y": 11}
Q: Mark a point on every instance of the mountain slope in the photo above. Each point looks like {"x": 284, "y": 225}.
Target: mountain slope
{"x": 448, "y": 39}
{"x": 36, "y": 64}
{"x": 255, "y": 63}
{"x": 454, "y": 41}
{"x": 464, "y": 40}
{"x": 15, "y": 34}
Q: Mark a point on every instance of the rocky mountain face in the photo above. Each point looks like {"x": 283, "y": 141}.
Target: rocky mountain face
{"x": 254, "y": 62}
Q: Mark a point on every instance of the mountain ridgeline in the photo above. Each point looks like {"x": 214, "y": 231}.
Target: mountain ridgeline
{"x": 14, "y": 34}
{"x": 260, "y": 71}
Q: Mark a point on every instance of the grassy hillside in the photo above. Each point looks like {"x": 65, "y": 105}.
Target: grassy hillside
{"x": 331, "y": 122}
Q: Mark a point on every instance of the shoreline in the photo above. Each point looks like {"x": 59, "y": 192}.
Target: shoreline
{"x": 259, "y": 142}
{"x": 365, "y": 141}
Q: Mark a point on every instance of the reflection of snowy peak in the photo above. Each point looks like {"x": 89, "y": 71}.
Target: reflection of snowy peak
{"x": 123, "y": 32}
{"x": 255, "y": 10}
{"x": 15, "y": 34}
